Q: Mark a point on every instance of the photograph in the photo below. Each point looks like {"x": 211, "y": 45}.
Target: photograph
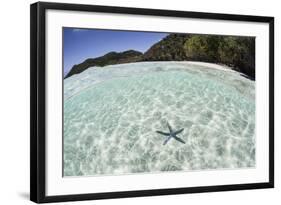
{"x": 143, "y": 102}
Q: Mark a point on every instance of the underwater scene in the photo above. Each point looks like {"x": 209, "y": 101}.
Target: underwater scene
{"x": 112, "y": 115}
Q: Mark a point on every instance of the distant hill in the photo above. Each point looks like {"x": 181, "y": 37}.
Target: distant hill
{"x": 110, "y": 58}
{"x": 236, "y": 52}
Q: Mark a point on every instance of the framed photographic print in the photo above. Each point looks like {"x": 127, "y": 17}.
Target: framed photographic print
{"x": 129, "y": 102}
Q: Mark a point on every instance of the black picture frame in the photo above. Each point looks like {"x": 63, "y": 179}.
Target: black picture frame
{"x": 38, "y": 101}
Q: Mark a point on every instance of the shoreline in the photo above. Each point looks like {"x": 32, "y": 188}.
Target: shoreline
{"x": 216, "y": 66}
{"x": 199, "y": 63}
{"x": 207, "y": 65}
{"x": 212, "y": 65}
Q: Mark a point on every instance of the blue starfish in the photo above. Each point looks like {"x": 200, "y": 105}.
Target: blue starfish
{"x": 171, "y": 134}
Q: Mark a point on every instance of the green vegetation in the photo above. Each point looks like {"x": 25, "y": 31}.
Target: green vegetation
{"x": 168, "y": 49}
{"x": 235, "y": 51}
{"x": 238, "y": 52}
{"x": 202, "y": 48}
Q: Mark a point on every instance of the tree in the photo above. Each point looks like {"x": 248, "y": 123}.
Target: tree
{"x": 202, "y": 48}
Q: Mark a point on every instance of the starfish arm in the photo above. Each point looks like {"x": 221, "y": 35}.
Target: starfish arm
{"x": 165, "y": 142}
{"x": 170, "y": 128}
{"x": 179, "y": 131}
{"x": 179, "y": 139}
{"x": 163, "y": 133}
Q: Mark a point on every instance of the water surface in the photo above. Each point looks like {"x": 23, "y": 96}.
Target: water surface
{"x": 111, "y": 115}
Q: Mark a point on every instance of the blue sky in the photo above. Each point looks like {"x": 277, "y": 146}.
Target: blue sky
{"x": 80, "y": 44}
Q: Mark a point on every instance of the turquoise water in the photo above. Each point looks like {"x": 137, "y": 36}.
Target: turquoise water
{"x": 111, "y": 115}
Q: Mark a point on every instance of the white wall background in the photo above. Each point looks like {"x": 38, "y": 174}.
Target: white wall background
{"x": 14, "y": 101}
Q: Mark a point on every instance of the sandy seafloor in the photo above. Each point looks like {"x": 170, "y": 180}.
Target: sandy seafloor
{"x": 111, "y": 115}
